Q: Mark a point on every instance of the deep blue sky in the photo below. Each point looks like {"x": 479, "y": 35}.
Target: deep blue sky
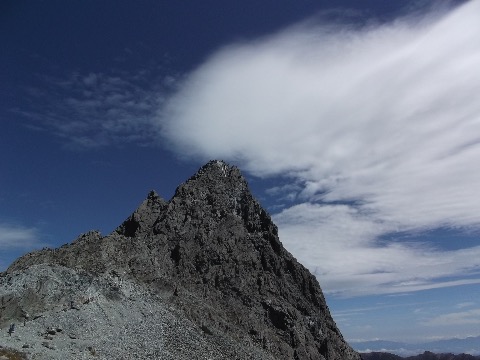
{"x": 336, "y": 111}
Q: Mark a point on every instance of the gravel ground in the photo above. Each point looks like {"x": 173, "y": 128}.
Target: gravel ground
{"x": 100, "y": 323}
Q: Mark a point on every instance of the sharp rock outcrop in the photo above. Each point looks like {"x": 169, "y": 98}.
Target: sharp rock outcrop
{"x": 209, "y": 261}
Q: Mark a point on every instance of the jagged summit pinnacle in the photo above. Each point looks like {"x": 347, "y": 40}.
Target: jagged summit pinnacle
{"x": 213, "y": 254}
{"x": 216, "y": 172}
{"x": 152, "y": 194}
{"x": 216, "y": 165}
{"x": 213, "y": 167}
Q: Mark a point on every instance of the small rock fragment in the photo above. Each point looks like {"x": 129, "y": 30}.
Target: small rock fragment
{"x": 48, "y": 345}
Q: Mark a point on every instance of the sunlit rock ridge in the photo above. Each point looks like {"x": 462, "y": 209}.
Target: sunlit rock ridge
{"x": 202, "y": 276}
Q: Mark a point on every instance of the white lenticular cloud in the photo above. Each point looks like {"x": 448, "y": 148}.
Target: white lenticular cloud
{"x": 386, "y": 116}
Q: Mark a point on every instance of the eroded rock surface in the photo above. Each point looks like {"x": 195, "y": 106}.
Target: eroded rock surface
{"x": 210, "y": 259}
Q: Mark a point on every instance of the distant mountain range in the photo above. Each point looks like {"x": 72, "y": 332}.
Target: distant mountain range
{"x": 427, "y": 355}
{"x": 470, "y": 345}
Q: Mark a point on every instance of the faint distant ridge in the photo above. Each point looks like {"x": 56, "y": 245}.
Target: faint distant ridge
{"x": 469, "y": 345}
{"x": 203, "y": 275}
{"x": 427, "y": 355}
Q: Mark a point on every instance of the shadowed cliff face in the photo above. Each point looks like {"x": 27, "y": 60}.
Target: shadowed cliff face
{"x": 214, "y": 253}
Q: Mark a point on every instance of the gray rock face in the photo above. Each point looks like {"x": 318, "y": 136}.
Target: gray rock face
{"x": 209, "y": 258}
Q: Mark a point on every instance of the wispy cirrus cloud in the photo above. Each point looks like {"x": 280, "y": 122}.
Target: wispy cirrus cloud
{"x": 94, "y": 110}
{"x": 18, "y": 237}
{"x": 15, "y": 239}
{"x": 468, "y": 317}
{"x": 378, "y": 126}
{"x": 465, "y": 305}
{"x": 343, "y": 246}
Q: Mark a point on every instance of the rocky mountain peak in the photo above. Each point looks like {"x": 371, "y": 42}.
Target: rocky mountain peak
{"x": 215, "y": 181}
{"x": 219, "y": 191}
{"x": 213, "y": 254}
{"x": 217, "y": 168}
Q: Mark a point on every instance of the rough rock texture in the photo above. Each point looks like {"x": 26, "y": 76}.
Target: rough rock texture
{"x": 209, "y": 259}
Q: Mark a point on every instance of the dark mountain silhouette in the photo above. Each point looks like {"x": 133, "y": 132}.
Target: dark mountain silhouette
{"x": 203, "y": 275}
{"x": 379, "y": 356}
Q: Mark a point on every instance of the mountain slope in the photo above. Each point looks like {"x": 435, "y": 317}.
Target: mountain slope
{"x": 210, "y": 256}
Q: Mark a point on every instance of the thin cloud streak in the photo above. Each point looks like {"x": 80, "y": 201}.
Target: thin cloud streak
{"x": 456, "y": 318}
{"x": 378, "y": 126}
{"x": 18, "y": 237}
{"x": 96, "y": 110}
